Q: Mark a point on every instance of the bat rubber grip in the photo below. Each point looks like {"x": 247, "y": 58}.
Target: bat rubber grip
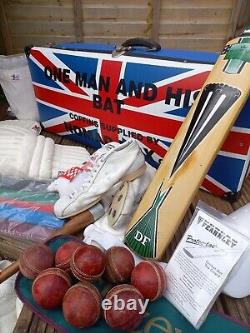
{"x": 9, "y": 271}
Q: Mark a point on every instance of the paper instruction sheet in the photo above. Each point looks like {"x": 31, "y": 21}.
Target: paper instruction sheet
{"x": 201, "y": 264}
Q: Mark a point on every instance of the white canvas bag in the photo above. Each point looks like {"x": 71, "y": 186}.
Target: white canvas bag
{"x": 8, "y": 315}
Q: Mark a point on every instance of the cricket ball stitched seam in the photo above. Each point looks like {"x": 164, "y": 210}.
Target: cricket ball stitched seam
{"x": 164, "y": 278}
{"x": 79, "y": 277}
{"x": 110, "y": 272}
{"x": 77, "y": 274}
{"x": 32, "y": 270}
{"x": 84, "y": 275}
{"x": 117, "y": 290}
{"x": 96, "y": 296}
{"x": 155, "y": 268}
{"x": 116, "y": 271}
{"x": 27, "y": 264}
{"x": 67, "y": 261}
{"x": 78, "y": 271}
{"x": 62, "y": 265}
{"x": 53, "y": 271}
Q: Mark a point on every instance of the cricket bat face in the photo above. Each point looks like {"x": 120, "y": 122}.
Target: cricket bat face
{"x": 192, "y": 152}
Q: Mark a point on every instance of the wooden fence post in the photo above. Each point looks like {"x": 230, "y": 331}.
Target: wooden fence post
{"x": 156, "y": 4}
{"x": 236, "y": 10}
{"x": 244, "y": 17}
{"x": 78, "y": 20}
{"x": 5, "y": 30}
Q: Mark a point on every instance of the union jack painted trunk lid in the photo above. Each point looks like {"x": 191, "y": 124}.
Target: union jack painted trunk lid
{"x": 87, "y": 95}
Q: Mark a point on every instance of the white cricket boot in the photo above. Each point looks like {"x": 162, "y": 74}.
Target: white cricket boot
{"x": 109, "y": 165}
{"x": 120, "y": 205}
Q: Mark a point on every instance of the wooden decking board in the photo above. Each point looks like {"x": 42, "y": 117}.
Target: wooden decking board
{"x": 24, "y": 321}
{"x": 242, "y": 308}
{"x": 237, "y": 309}
{"x": 34, "y": 324}
{"x": 41, "y": 326}
{"x": 246, "y": 302}
{"x": 218, "y": 306}
{"x": 213, "y": 201}
{"x": 245, "y": 194}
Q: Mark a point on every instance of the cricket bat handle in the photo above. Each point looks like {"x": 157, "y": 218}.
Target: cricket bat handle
{"x": 9, "y": 271}
{"x": 76, "y": 224}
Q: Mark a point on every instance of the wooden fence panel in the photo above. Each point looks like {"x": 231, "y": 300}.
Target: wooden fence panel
{"x": 114, "y": 21}
{"x": 2, "y": 50}
{"x": 188, "y": 24}
{"x": 39, "y": 22}
{"x": 244, "y": 17}
{"x": 195, "y": 24}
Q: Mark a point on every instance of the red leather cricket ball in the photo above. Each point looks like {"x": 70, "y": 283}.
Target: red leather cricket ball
{"x": 65, "y": 252}
{"x": 35, "y": 259}
{"x": 88, "y": 263}
{"x": 82, "y": 305}
{"x": 150, "y": 278}
{"x": 127, "y": 318}
{"x": 49, "y": 288}
{"x": 119, "y": 264}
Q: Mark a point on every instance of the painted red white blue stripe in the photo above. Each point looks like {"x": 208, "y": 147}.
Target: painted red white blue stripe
{"x": 94, "y": 98}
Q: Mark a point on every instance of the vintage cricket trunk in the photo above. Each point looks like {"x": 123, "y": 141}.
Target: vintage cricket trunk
{"x": 86, "y": 94}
